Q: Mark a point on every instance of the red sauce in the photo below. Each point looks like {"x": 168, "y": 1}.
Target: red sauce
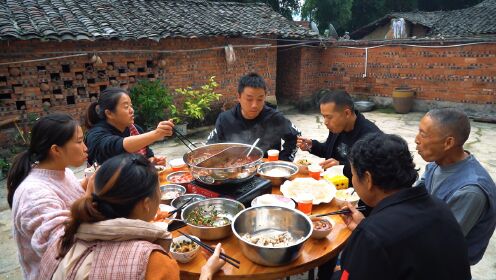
{"x": 181, "y": 178}
{"x": 321, "y": 225}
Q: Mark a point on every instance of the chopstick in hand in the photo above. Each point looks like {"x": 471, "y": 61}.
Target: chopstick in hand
{"x": 232, "y": 261}
{"x": 340, "y": 212}
{"x": 179, "y": 207}
{"x": 183, "y": 138}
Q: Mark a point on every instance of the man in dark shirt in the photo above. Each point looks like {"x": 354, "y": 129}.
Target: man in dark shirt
{"x": 346, "y": 126}
{"x": 409, "y": 235}
{"x": 252, "y": 119}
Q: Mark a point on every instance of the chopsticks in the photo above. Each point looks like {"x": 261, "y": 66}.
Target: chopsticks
{"x": 339, "y": 212}
{"x": 183, "y": 138}
{"x": 232, "y": 261}
{"x": 179, "y": 207}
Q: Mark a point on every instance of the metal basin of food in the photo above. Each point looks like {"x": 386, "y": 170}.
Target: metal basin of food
{"x": 228, "y": 166}
{"x": 262, "y": 220}
{"x": 277, "y": 171}
{"x": 226, "y": 208}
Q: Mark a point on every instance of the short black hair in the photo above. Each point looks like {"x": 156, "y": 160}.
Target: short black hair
{"x": 251, "y": 80}
{"x": 453, "y": 122}
{"x": 339, "y": 97}
{"x": 387, "y": 158}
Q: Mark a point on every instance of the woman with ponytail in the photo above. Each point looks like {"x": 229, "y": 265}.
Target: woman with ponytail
{"x": 109, "y": 235}
{"x": 111, "y": 129}
{"x": 41, "y": 188}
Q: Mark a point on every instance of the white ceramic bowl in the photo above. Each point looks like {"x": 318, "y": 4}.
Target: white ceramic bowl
{"x": 345, "y": 195}
{"x": 187, "y": 256}
{"x": 274, "y": 200}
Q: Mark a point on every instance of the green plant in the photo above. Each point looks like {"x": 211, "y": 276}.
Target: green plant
{"x": 153, "y": 102}
{"x": 4, "y": 165}
{"x": 196, "y": 101}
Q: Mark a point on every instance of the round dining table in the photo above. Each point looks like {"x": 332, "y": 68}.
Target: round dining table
{"x": 314, "y": 252}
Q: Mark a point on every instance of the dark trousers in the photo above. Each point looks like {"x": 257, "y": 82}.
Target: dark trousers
{"x": 326, "y": 270}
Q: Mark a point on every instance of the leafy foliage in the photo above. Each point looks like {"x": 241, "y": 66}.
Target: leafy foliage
{"x": 152, "y": 102}
{"x": 348, "y": 15}
{"x": 196, "y": 101}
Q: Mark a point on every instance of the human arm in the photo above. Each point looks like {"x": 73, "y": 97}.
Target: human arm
{"x": 467, "y": 205}
{"x": 134, "y": 143}
{"x": 353, "y": 219}
{"x": 365, "y": 258}
{"x": 290, "y": 138}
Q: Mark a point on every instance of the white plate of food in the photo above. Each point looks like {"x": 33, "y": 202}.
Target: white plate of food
{"x": 321, "y": 190}
{"x": 273, "y": 200}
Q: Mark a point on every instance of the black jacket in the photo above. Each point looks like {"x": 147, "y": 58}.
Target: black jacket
{"x": 270, "y": 126}
{"x": 338, "y": 146}
{"x": 105, "y": 141}
{"x": 408, "y": 236}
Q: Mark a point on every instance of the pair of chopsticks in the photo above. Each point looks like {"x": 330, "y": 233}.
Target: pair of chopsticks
{"x": 340, "y": 212}
{"x": 230, "y": 260}
{"x": 184, "y": 139}
{"x": 179, "y": 207}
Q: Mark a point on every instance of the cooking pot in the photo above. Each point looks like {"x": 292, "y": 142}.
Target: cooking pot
{"x": 223, "y": 163}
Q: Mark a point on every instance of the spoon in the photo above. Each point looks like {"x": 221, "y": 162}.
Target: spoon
{"x": 252, "y": 146}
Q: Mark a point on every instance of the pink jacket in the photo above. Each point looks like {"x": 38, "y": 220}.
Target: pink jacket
{"x": 40, "y": 207}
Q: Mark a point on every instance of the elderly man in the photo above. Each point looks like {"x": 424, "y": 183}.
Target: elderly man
{"x": 252, "y": 119}
{"x": 346, "y": 126}
{"x": 456, "y": 177}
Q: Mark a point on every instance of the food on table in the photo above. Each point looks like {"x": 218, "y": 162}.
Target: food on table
{"x": 321, "y": 224}
{"x": 304, "y": 162}
{"x": 184, "y": 246}
{"x": 321, "y": 190}
{"x": 208, "y": 216}
{"x": 273, "y": 199}
{"x": 180, "y": 178}
{"x": 277, "y": 172}
{"x": 163, "y": 213}
{"x": 170, "y": 194}
{"x": 271, "y": 239}
{"x": 347, "y": 195}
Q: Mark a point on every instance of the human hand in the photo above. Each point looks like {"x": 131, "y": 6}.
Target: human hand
{"x": 353, "y": 219}
{"x": 164, "y": 129}
{"x": 304, "y": 144}
{"x": 90, "y": 185}
{"x": 158, "y": 160}
{"x": 213, "y": 264}
{"x": 329, "y": 163}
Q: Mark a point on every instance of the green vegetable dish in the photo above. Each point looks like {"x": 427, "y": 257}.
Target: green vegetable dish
{"x": 208, "y": 216}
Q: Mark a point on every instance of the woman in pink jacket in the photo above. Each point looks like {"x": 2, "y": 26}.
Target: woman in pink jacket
{"x": 41, "y": 189}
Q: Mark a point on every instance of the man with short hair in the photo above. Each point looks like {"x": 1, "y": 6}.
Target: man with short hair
{"x": 346, "y": 126}
{"x": 252, "y": 119}
{"x": 456, "y": 177}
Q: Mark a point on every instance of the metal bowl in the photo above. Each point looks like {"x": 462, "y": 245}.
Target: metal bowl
{"x": 364, "y": 106}
{"x": 214, "y": 173}
{"x": 180, "y": 200}
{"x": 229, "y": 206}
{"x": 171, "y": 175}
{"x": 269, "y": 218}
{"x": 265, "y": 168}
{"x": 164, "y": 189}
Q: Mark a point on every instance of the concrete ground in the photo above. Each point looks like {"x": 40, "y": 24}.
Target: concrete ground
{"x": 479, "y": 143}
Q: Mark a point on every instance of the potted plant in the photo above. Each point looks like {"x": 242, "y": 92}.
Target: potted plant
{"x": 153, "y": 103}
{"x": 196, "y": 103}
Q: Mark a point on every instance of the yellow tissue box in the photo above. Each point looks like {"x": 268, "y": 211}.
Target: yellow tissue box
{"x": 340, "y": 181}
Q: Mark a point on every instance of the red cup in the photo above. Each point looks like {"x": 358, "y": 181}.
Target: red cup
{"x": 273, "y": 155}
{"x": 305, "y": 202}
{"x": 314, "y": 171}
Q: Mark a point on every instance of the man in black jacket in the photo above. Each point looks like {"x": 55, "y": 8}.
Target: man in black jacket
{"x": 252, "y": 119}
{"x": 346, "y": 126}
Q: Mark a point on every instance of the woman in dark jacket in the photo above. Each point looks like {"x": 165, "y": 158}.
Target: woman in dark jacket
{"x": 112, "y": 131}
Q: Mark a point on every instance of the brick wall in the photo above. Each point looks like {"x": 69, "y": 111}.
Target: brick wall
{"x": 463, "y": 75}
{"x": 69, "y": 84}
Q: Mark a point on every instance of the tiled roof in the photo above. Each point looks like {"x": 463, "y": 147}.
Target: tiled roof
{"x": 136, "y": 19}
{"x": 476, "y": 20}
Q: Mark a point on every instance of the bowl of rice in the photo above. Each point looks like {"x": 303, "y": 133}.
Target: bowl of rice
{"x": 277, "y": 171}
